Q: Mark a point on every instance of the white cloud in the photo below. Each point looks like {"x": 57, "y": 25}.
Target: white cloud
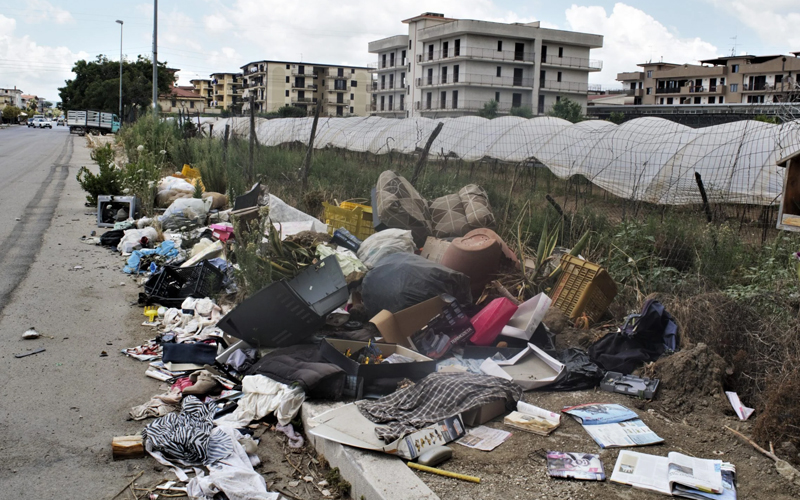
{"x": 775, "y": 22}
{"x": 38, "y": 11}
{"x": 217, "y": 24}
{"x": 630, "y": 37}
{"x": 34, "y": 68}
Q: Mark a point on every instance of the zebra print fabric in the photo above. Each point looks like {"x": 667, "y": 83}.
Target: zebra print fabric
{"x": 189, "y": 436}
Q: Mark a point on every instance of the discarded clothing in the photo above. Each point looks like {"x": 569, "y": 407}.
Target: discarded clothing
{"x": 148, "y": 351}
{"x": 402, "y": 280}
{"x": 295, "y": 439}
{"x": 263, "y": 396}
{"x": 166, "y": 250}
{"x": 579, "y": 371}
{"x": 188, "y": 437}
{"x": 305, "y": 366}
{"x": 242, "y": 359}
{"x": 234, "y": 476}
{"x": 158, "y": 406}
{"x": 383, "y": 243}
{"x": 434, "y": 398}
{"x": 643, "y": 338}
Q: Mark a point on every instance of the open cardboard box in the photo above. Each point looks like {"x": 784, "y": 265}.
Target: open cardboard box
{"x": 530, "y": 369}
{"x": 346, "y": 425}
{"x": 397, "y": 327}
{"x": 333, "y": 351}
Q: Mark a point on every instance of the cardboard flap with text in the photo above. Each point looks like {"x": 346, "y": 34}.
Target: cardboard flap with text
{"x": 396, "y": 328}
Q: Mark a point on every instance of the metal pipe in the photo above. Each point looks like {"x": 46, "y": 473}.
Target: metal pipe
{"x": 155, "y": 58}
{"x": 120, "y": 69}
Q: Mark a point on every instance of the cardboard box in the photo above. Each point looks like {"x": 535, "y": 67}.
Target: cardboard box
{"x": 346, "y": 425}
{"x": 434, "y": 249}
{"x": 397, "y": 327}
{"x": 482, "y": 414}
{"x": 531, "y": 369}
{"x": 332, "y": 350}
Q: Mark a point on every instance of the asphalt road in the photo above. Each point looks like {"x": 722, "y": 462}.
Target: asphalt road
{"x": 59, "y": 409}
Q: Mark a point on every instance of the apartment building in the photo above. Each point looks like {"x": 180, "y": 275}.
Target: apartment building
{"x": 724, "y": 80}
{"x": 10, "y": 97}
{"x": 341, "y": 90}
{"x": 203, "y": 87}
{"x": 227, "y": 91}
{"x": 452, "y": 67}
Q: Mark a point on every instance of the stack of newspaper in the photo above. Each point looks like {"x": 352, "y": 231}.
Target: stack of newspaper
{"x": 613, "y": 425}
{"x": 676, "y": 475}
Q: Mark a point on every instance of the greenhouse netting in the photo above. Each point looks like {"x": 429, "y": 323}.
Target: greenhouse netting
{"x": 645, "y": 159}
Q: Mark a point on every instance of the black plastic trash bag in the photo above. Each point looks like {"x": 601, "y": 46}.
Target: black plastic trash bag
{"x": 579, "y": 372}
{"x": 401, "y": 280}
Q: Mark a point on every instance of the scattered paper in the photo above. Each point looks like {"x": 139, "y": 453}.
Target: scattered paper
{"x": 741, "y": 410}
{"x": 484, "y": 438}
{"x": 620, "y": 434}
{"x": 30, "y": 334}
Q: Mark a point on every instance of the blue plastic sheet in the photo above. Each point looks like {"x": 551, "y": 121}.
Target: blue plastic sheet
{"x": 165, "y": 249}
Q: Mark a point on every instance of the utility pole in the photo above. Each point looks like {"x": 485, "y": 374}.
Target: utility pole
{"x": 155, "y": 58}
{"x": 120, "y": 70}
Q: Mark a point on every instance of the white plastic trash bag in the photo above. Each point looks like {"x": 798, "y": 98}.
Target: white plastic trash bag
{"x": 384, "y": 243}
{"x": 173, "y": 188}
{"x": 281, "y": 212}
{"x": 132, "y": 237}
{"x": 191, "y": 208}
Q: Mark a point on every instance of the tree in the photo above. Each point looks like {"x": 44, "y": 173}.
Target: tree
{"x": 10, "y": 113}
{"x": 96, "y": 84}
{"x": 523, "y": 111}
{"x": 567, "y": 109}
{"x": 489, "y": 110}
{"x": 616, "y": 117}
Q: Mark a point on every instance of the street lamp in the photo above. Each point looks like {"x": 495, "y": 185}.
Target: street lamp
{"x": 120, "y": 69}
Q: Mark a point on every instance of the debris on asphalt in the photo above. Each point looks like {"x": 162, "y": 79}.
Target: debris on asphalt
{"x": 29, "y": 353}
{"x": 30, "y": 334}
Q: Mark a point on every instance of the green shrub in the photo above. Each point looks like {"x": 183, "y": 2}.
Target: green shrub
{"x": 108, "y": 181}
{"x": 523, "y": 111}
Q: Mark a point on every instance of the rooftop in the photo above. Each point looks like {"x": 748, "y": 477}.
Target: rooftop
{"x": 297, "y": 62}
{"x": 183, "y": 93}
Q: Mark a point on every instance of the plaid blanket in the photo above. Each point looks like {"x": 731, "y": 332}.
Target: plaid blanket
{"x": 434, "y": 398}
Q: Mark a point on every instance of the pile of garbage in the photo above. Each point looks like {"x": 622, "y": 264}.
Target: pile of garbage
{"x": 394, "y": 307}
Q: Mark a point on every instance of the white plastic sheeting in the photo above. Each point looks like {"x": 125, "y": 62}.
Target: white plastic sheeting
{"x": 646, "y": 159}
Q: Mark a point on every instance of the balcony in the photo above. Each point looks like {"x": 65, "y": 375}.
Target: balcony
{"x": 304, "y": 100}
{"x": 700, "y": 89}
{"x": 307, "y": 72}
{"x": 521, "y": 57}
{"x": 389, "y": 88}
{"x": 571, "y": 87}
{"x": 334, "y": 73}
{"x": 668, "y": 90}
{"x": 331, "y": 87}
{"x": 308, "y": 86}
{"x": 336, "y": 102}
{"x": 787, "y": 86}
{"x": 475, "y": 80}
{"x": 573, "y": 62}
{"x": 631, "y": 75}
{"x": 374, "y": 108}
{"x": 447, "y": 106}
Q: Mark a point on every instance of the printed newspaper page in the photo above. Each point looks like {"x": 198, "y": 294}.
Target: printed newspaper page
{"x": 643, "y": 471}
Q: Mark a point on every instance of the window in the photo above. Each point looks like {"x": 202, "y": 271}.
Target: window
{"x": 561, "y": 52}
{"x": 722, "y": 81}
{"x": 712, "y": 100}
{"x": 443, "y": 100}
{"x": 430, "y": 52}
{"x": 444, "y": 74}
{"x": 444, "y": 49}
{"x": 455, "y": 73}
{"x": 352, "y": 97}
{"x": 383, "y": 82}
{"x": 174, "y": 103}
{"x": 340, "y": 71}
{"x": 497, "y": 97}
{"x": 409, "y": 44}
{"x": 352, "y": 71}
{"x": 735, "y": 68}
{"x": 287, "y": 79}
{"x": 661, "y": 101}
{"x": 670, "y": 100}
{"x": 721, "y": 99}
{"x": 649, "y": 73}
{"x": 383, "y": 61}
{"x": 287, "y": 66}
{"x": 287, "y": 93}
{"x": 516, "y": 100}
{"x": 191, "y": 104}
{"x": 499, "y": 71}
{"x": 383, "y": 98}
{"x": 455, "y": 99}
{"x": 734, "y": 87}
{"x": 428, "y": 99}
{"x": 649, "y": 90}
{"x": 558, "y": 76}
{"x": 403, "y": 57}
{"x": 391, "y": 81}
{"x": 457, "y": 47}
{"x": 430, "y": 75}
{"x": 558, "y": 98}
{"x": 391, "y": 103}
{"x": 402, "y": 80}
{"x": 402, "y": 102}
{"x": 351, "y": 110}
{"x": 697, "y": 100}
{"x": 391, "y": 59}
{"x": 353, "y": 83}
{"x": 499, "y": 46}
{"x": 339, "y": 110}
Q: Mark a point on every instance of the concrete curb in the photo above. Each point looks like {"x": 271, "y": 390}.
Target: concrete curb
{"x": 373, "y": 475}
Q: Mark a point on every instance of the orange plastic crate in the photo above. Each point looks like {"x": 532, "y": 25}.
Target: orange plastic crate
{"x": 583, "y": 288}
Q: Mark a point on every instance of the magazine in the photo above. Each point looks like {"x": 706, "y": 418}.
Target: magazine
{"x": 533, "y": 419}
{"x": 600, "y": 413}
{"x": 728, "y": 487}
{"x": 484, "y": 438}
{"x": 575, "y": 466}
{"x": 621, "y": 434}
{"x": 662, "y": 474}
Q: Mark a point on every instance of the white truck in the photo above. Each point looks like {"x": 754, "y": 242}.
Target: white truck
{"x": 94, "y": 122}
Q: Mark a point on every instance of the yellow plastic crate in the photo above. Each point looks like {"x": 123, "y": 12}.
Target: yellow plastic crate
{"x": 583, "y": 288}
{"x": 354, "y": 217}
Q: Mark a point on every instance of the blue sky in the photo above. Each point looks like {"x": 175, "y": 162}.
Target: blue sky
{"x": 41, "y": 39}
